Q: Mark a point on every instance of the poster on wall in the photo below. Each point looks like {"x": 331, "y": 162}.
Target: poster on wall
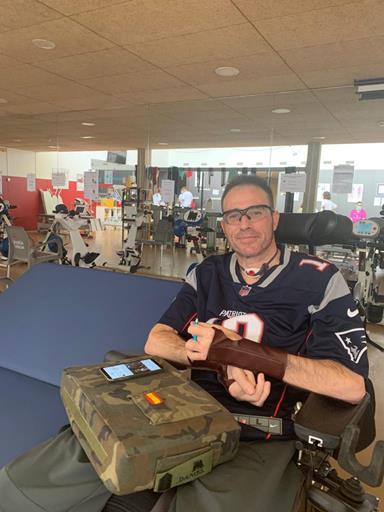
{"x": 31, "y": 182}
{"x": 91, "y": 185}
{"x": 168, "y": 191}
{"x": 80, "y": 182}
{"x": 294, "y": 182}
{"x": 59, "y": 178}
{"x": 342, "y": 179}
{"x": 357, "y": 193}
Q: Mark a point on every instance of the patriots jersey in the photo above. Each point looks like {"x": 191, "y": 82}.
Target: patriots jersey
{"x": 302, "y": 305}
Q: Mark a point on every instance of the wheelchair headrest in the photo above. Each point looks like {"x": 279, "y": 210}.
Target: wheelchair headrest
{"x": 313, "y": 228}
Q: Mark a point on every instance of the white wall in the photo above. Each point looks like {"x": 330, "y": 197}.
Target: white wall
{"x": 19, "y": 162}
{"x": 231, "y": 157}
{"x": 362, "y": 156}
{"x": 74, "y": 162}
{"x": 3, "y": 161}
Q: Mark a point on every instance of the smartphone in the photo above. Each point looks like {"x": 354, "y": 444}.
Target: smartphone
{"x": 131, "y": 370}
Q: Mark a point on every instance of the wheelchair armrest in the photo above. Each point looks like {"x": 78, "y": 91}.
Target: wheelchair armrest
{"x": 335, "y": 426}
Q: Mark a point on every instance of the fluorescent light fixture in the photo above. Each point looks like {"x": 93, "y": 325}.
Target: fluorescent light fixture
{"x": 227, "y": 71}
{"x": 318, "y": 137}
{"x": 235, "y": 130}
{"x": 370, "y": 89}
{"x": 88, "y": 124}
{"x": 16, "y": 140}
{"x": 163, "y": 143}
{"x": 52, "y": 147}
{"x": 44, "y": 44}
{"x": 281, "y": 111}
{"x": 88, "y": 137}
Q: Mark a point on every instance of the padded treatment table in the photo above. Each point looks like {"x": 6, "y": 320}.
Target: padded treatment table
{"x": 56, "y": 316}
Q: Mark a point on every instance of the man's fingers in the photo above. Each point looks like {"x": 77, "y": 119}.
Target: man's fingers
{"x": 244, "y": 379}
{"x": 260, "y": 398}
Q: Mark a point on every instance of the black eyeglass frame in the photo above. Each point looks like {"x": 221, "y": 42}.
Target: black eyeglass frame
{"x": 244, "y": 211}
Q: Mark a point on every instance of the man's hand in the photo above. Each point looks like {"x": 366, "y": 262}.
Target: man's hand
{"x": 198, "y": 350}
{"x": 246, "y": 388}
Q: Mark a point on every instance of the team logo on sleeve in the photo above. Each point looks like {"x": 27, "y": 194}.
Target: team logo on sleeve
{"x": 354, "y": 343}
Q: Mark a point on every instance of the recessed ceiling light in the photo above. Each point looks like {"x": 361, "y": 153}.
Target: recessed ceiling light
{"x": 381, "y": 123}
{"x": 227, "y": 71}
{"x": 44, "y": 44}
{"x": 235, "y": 130}
{"x": 281, "y": 111}
{"x": 163, "y": 143}
{"x": 88, "y": 137}
{"x": 88, "y": 124}
{"x": 16, "y": 140}
{"x": 3, "y": 100}
{"x": 318, "y": 137}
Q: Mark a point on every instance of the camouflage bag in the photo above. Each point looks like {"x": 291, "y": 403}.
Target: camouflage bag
{"x": 155, "y": 431}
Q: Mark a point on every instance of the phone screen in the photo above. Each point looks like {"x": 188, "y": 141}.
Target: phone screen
{"x": 137, "y": 368}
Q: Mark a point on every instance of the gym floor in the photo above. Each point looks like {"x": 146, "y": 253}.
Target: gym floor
{"x": 175, "y": 262}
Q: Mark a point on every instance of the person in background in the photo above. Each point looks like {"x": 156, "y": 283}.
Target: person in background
{"x": 327, "y": 203}
{"x": 157, "y": 199}
{"x": 185, "y": 198}
{"x": 358, "y": 213}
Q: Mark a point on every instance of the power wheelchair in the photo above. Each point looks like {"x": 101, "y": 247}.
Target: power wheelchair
{"x": 325, "y": 428}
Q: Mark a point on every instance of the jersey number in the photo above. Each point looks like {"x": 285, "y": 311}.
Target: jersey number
{"x": 249, "y": 326}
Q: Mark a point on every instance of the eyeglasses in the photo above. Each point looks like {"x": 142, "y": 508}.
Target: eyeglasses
{"x": 253, "y": 213}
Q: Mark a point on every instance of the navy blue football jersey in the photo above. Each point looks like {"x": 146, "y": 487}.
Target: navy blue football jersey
{"x": 303, "y": 306}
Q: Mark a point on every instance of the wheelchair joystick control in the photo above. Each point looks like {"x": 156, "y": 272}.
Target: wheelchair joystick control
{"x": 352, "y": 490}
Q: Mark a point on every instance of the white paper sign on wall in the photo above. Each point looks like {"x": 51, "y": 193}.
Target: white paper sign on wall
{"x": 91, "y": 185}
{"x": 31, "y": 182}
{"x": 168, "y": 191}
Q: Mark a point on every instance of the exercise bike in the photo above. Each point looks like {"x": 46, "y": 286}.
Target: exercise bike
{"x": 72, "y": 222}
{"x": 5, "y": 220}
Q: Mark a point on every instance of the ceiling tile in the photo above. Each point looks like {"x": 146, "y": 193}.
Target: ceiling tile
{"x": 159, "y": 18}
{"x": 112, "y": 61}
{"x": 252, "y": 66}
{"x": 335, "y": 55}
{"x": 284, "y": 99}
{"x": 133, "y": 82}
{"x": 67, "y": 90}
{"x": 222, "y": 43}
{"x": 13, "y": 98}
{"x": 15, "y": 14}
{"x": 69, "y": 7}
{"x": 323, "y": 26}
{"x": 264, "y": 9}
{"x": 243, "y": 87}
{"x": 164, "y": 95}
{"x": 8, "y": 62}
{"x": 97, "y": 101}
{"x": 341, "y": 76}
{"x": 69, "y": 37}
{"x": 33, "y": 108}
{"x": 25, "y": 75}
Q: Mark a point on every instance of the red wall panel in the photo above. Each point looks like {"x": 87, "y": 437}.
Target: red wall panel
{"x": 29, "y": 204}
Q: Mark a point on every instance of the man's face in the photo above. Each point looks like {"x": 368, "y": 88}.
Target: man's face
{"x": 249, "y": 238}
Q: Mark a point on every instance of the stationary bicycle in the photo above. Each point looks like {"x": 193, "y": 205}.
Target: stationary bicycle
{"x": 72, "y": 222}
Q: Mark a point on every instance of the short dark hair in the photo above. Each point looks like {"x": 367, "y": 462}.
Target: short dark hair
{"x": 251, "y": 180}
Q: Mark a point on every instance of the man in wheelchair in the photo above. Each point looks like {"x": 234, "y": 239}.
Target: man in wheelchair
{"x": 262, "y": 327}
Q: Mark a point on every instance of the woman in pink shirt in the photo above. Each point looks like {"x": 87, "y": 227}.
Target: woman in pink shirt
{"x": 358, "y": 213}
